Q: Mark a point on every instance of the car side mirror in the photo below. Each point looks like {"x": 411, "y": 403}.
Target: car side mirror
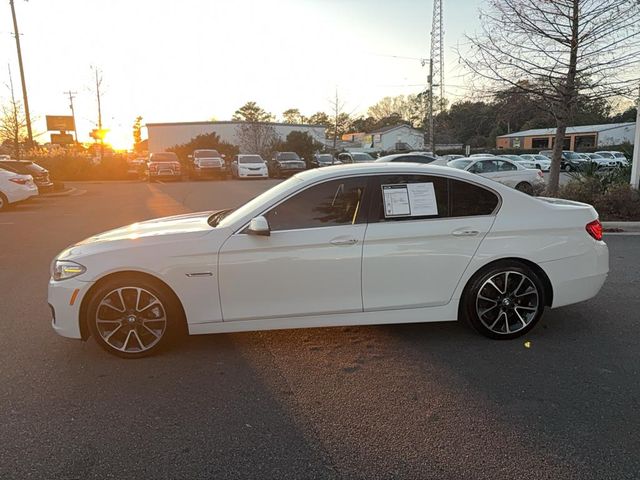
{"x": 259, "y": 226}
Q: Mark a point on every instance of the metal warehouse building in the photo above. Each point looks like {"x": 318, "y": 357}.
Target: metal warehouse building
{"x": 166, "y": 135}
{"x": 577, "y": 138}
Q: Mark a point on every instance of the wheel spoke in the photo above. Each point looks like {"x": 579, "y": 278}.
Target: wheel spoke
{"x": 124, "y": 305}
{"x": 524, "y": 324}
{"x": 484, "y": 312}
{"x": 487, "y": 299}
{"x": 108, "y": 305}
{"x": 515, "y": 292}
{"x": 154, "y": 301}
{"x": 151, "y": 331}
{"x": 140, "y": 344}
{"x": 490, "y": 282}
{"x": 529, "y": 292}
{"x": 531, "y": 309}
{"x": 113, "y": 332}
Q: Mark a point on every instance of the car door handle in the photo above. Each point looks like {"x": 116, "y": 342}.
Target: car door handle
{"x": 344, "y": 241}
{"x": 464, "y": 232}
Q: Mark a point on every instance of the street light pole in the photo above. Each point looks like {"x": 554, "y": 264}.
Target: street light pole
{"x": 73, "y": 113}
{"x": 24, "y": 83}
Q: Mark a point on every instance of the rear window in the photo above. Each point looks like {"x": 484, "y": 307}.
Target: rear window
{"x": 250, "y": 159}
{"x": 288, "y": 156}
{"x": 468, "y": 200}
{"x": 164, "y": 157}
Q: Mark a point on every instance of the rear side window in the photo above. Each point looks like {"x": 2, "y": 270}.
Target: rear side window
{"x": 336, "y": 202}
{"x": 468, "y": 200}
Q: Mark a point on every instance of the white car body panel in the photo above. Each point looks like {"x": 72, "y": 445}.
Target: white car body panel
{"x": 416, "y": 271}
{"x": 16, "y": 192}
{"x": 250, "y": 170}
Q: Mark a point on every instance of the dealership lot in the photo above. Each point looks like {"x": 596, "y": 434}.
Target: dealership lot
{"x": 414, "y": 401}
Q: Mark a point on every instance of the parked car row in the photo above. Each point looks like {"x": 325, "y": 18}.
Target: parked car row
{"x": 17, "y": 186}
{"x": 570, "y": 161}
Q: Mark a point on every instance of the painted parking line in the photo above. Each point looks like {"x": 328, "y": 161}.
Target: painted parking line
{"x": 6, "y": 223}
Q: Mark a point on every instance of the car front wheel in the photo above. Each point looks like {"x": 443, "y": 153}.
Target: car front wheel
{"x": 524, "y": 187}
{"x": 132, "y": 318}
{"x": 4, "y": 203}
{"x": 504, "y": 301}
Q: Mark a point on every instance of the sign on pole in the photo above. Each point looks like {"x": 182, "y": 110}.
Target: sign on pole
{"x": 61, "y": 138}
{"x": 60, "y": 123}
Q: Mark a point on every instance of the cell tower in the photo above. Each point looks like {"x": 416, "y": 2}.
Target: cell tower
{"x": 437, "y": 52}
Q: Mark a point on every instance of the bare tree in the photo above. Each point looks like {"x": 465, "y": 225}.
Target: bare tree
{"x": 257, "y": 138}
{"x": 13, "y": 122}
{"x": 340, "y": 120}
{"x": 557, "y": 51}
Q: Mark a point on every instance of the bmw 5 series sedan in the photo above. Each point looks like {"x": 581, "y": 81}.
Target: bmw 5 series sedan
{"x": 387, "y": 243}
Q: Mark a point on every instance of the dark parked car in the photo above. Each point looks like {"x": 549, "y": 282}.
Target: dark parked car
{"x": 25, "y": 167}
{"x": 407, "y": 157}
{"x": 324, "y": 160}
{"x": 570, "y": 161}
{"x": 284, "y": 164}
{"x": 164, "y": 165}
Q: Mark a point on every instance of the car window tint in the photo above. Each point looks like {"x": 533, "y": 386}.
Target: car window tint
{"x": 505, "y": 166}
{"x": 440, "y": 185}
{"x": 336, "y": 202}
{"x": 467, "y": 199}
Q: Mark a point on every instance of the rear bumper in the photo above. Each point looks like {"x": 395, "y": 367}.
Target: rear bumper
{"x": 21, "y": 194}
{"x": 579, "y": 278}
{"x": 209, "y": 172}
{"x": 65, "y": 309}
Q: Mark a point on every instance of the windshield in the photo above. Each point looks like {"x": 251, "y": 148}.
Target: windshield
{"x": 257, "y": 201}
{"x": 164, "y": 157}
{"x": 288, "y": 156}
{"x": 572, "y": 156}
{"x": 206, "y": 154}
{"x": 250, "y": 159}
{"x": 460, "y": 163}
{"x": 619, "y": 155}
{"x": 325, "y": 158}
{"x": 362, "y": 157}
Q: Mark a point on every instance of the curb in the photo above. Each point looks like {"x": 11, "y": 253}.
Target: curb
{"x": 614, "y": 227}
{"x": 65, "y": 193}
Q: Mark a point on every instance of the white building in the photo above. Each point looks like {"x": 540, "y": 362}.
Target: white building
{"x": 166, "y": 135}
{"x": 395, "y": 137}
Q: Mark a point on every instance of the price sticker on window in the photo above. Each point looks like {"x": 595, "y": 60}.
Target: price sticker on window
{"x": 409, "y": 200}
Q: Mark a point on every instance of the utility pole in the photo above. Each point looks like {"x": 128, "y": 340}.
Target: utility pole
{"x": 430, "y": 134}
{"x": 24, "y": 83}
{"x": 98, "y": 83}
{"x": 635, "y": 165}
{"x": 73, "y": 113}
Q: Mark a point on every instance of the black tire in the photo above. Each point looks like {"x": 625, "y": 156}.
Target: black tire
{"x": 525, "y": 187}
{"x": 4, "y": 202}
{"x": 568, "y": 168}
{"x": 152, "y": 327}
{"x": 511, "y": 316}
{"x": 538, "y": 167}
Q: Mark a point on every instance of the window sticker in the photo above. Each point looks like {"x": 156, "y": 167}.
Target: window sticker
{"x": 409, "y": 200}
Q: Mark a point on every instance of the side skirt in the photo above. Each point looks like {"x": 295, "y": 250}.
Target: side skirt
{"x": 445, "y": 313}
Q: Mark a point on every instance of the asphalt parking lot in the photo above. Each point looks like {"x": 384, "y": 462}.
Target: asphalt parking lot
{"x": 426, "y": 401}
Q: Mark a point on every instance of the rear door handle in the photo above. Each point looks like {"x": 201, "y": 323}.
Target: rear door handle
{"x": 465, "y": 232}
{"x": 344, "y": 241}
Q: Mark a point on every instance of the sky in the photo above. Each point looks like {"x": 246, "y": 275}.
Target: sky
{"x": 195, "y": 60}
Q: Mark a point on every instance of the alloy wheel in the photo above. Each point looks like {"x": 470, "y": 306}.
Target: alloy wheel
{"x": 131, "y": 319}
{"x": 507, "y": 302}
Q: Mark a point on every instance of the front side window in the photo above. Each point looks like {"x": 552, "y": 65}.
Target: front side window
{"x": 336, "y": 202}
{"x": 484, "y": 166}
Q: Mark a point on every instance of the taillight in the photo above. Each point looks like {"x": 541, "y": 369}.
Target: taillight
{"x": 540, "y": 174}
{"x": 19, "y": 181}
{"x": 595, "y": 229}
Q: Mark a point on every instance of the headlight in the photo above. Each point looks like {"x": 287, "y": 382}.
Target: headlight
{"x": 64, "y": 269}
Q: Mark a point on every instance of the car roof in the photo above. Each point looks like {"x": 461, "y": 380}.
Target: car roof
{"x": 384, "y": 168}
{"x": 389, "y": 158}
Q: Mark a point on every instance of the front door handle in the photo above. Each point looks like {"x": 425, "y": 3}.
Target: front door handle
{"x": 465, "y": 232}
{"x": 344, "y": 241}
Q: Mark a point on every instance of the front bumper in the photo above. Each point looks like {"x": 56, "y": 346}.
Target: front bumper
{"x": 253, "y": 173}
{"x": 65, "y": 308}
{"x": 209, "y": 171}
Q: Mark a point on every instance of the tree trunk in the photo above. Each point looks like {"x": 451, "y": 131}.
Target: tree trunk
{"x": 556, "y": 159}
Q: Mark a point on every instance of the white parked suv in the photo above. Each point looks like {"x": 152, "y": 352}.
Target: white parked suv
{"x": 15, "y": 188}
{"x": 501, "y": 170}
{"x": 617, "y": 156}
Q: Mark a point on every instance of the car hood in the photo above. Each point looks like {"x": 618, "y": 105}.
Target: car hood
{"x": 150, "y": 232}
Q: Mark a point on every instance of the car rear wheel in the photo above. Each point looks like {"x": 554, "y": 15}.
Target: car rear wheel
{"x": 504, "y": 301}
{"x": 133, "y": 318}
{"x": 524, "y": 187}
{"x": 4, "y": 203}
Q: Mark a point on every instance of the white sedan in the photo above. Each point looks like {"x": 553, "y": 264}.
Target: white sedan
{"x": 388, "y": 243}
{"x": 539, "y": 161}
{"x": 15, "y": 187}
{"x": 249, "y": 166}
{"x": 501, "y": 170}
